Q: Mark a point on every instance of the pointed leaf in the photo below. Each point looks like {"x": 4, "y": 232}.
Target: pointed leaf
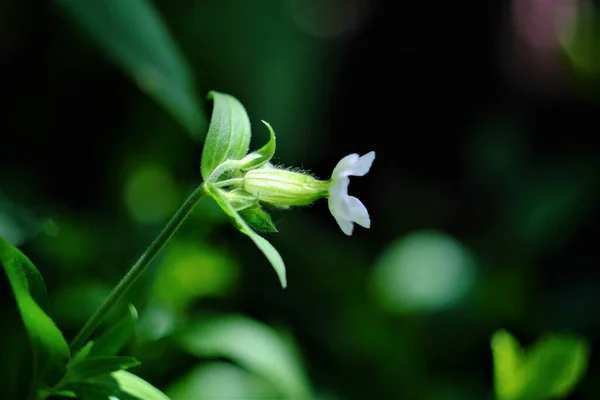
{"x": 83, "y": 353}
{"x": 50, "y": 350}
{"x": 100, "y": 387}
{"x": 555, "y": 364}
{"x": 264, "y": 154}
{"x": 134, "y": 36}
{"x": 253, "y": 345}
{"x": 115, "y": 337}
{"x": 267, "y": 248}
{"x": 138, "y": 387}
{"x": 228, "y": 135}
{"x": 258, "y": 219}
{"x": 508, "y": 365}
{"x": 550, "y": 369}
{"x": 99, "y": 366}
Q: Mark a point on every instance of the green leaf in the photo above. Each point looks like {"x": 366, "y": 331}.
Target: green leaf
{"x": 138, "y": 387}
{"x": 258, "y": 219}
{"x": 83, "y": 353}
{"x": 267, "y": 248}
{"x": 264, "y": 154}
{"x": 115, "y": 337}
{"x": 121, "y": 385}
{"x": 508, "y": 365}
{"x": 555, "y": 365}
{"x": 206, "y": 381}
{"x": 550, "y": 369}
{"x": 134, "y": 36}
{"x": 228, "y": 135}
{"x": 96, "y": 366}
{"x": 100, "y": 387}
{"x": 50, "y": 350}
{"x": 253, "y": 345}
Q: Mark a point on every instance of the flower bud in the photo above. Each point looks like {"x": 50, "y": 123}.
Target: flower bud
{"x": 284, "y": 188}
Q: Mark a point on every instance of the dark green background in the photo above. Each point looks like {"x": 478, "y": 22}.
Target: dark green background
{"x": 486, "y": 146}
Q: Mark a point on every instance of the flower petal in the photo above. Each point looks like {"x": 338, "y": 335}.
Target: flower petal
{"x": 338, "y": 209}
{"x": 344, "y": 166}
{"x": 358, "y": 212}
{"x": 363, "y": 164}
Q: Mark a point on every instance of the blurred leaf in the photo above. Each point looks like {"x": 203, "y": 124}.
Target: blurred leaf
{"x": 92, "y": 367}
{"x": 265, "y": 153}
{"x": 550, "y": 369}
{"x": 254, "y": 346}
{"x": 16, "y": 354}
{"x": 133, "y": 35}
{"x": 138, "y": 387}
{"x": 221, "y": 380}
{"x": 508, "y": 365}
{"x": 100, "y": 387}
{"x": 190, "y": 270}
{"x": 121, "y": 385}
{"x": 115, "y": 337}
{"x": 228, "y": 135}
{"x": 267, "y": 248}
{"x": 50, "y": 350}
{"x": 555, "y": 365}
{"x": 83, "y": 353}
{"x": 150, "y": 193}
{"x": 580, "y": 40}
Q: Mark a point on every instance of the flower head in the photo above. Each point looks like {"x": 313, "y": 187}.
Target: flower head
{"x": 346, "y": 209}
{"x": 281, "y": 187}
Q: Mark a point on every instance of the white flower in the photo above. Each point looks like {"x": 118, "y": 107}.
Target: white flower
{"x": 348, "y": 209}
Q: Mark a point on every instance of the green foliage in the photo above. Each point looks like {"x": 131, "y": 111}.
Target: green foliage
{"x": 94, "y": 366}
{"x": 226, "y": 145}
{"x": 281, "y": 42}
{"x": 120, "y": 384}
{"x": 134, "y": 36}
{"x": 258, "y": 219}
{"x": 550, "y": 369}
{"x": 49, "y": 349}
{"x": 257, "y": 347}
{"x": 97, "y": 373}
{"x": 228, "y": 135}
{"x": 137, "y": 387}
{"x": 263, "y": 155}
{"x": 267, "y": 248}
{"x": 222, "y": 380}
{"x": 116, "y": 336}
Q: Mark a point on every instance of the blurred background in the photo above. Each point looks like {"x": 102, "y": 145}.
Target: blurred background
{"x": 483, "y": 196}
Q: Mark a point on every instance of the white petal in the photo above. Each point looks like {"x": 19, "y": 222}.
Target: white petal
{"x": 344, "y": 166}
{"x": 337, "y": 207}
{"x": 339, "y": 187}
{"x": 358, "y": 212}
{"x": 363, "y": 164}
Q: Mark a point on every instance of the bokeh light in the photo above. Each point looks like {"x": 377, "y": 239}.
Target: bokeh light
{"x": 422, "y": 272}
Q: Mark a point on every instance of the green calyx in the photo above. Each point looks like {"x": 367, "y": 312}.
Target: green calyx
{"x": 284, "y": 188}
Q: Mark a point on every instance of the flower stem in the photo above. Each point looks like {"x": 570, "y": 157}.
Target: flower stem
{"x": 230, "y": 182}
{"x": 137, "y": 269}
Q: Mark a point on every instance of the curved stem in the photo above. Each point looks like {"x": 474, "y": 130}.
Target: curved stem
{"x": 137, "y": 269}
{"x": 230, "y": 182}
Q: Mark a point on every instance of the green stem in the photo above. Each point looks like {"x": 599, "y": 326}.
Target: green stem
{"x": 229, "y": 182}
{"x": 137, "y": 269}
